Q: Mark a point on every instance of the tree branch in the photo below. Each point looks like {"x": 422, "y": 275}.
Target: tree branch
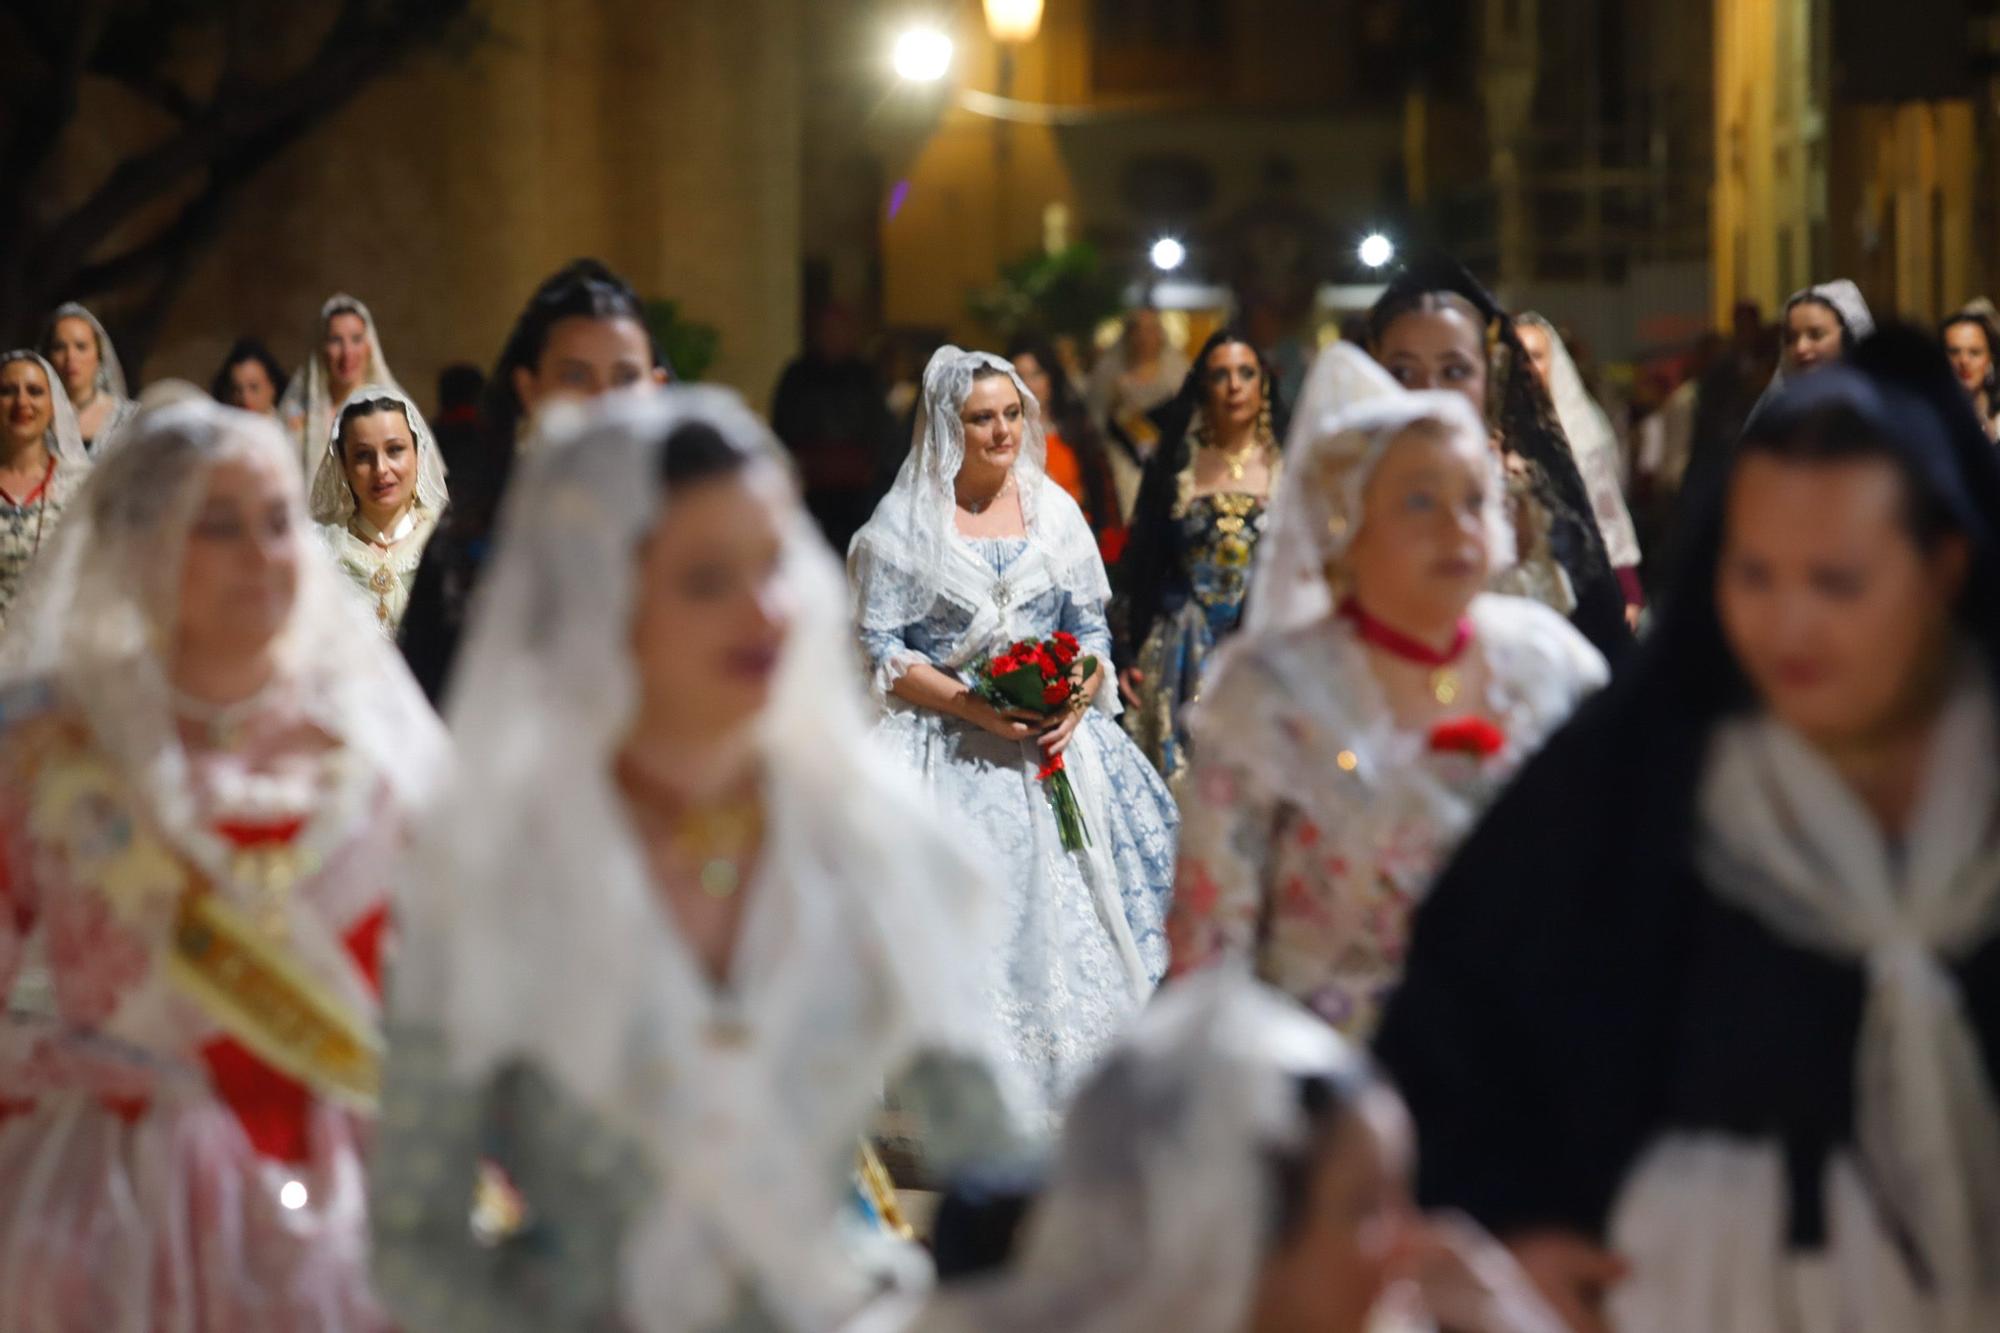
{"x": 348, "y": 58}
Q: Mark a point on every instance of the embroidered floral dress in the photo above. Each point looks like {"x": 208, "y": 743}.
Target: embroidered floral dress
{"x": 1084, "y": 937}
{"x": 1215, "y": 538}
{"x": 191, "y": 1041}
{"x": 1315, "y": 822}
{"x": 384, "y": 574}
{"x": 25, "y": 525}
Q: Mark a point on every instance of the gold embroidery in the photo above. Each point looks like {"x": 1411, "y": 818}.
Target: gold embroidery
{"x": 233, "y": 964}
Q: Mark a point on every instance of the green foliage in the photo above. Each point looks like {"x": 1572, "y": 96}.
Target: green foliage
{"x": 1067, "y": 291}
{"x": 690, "y": 347}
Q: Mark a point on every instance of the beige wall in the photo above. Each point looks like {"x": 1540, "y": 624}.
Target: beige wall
{"x": 663, "y": 139}
{"x": 1770, "y": 200}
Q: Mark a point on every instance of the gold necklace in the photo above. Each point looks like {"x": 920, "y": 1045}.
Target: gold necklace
{"x": 716, "y": 839}
{"x": 1238, "y": 461}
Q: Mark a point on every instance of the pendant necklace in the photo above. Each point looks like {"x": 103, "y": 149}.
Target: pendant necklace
{"x": 1444, "y": 679}
{"x": 715, "y": 840}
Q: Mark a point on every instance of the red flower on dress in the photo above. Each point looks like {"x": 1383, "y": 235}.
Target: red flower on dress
{"x": 1468, "y": 735}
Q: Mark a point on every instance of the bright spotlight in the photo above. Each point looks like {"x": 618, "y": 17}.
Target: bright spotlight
{"x": 1168, "y": 254}
{"x": 923, "y": 55}
{"x": 1377, "y": 250}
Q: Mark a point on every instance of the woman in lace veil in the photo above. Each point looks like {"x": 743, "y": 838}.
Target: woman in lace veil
{"x": 1374, "y": 702}
{"x": 1234, "y": 1165}
{"x": 78, "y": 347}
{"x": 973, "y": 550}
{"x": 209, "y": 763}
{"x": 1794, "y": 789}
{"x": 377, "y": 496}
{"x": 1821, "y": 324}
{"x": 1437, "y": 327}
{"x": 1593, "y": 443}
{"x": 679, "y": 922}
{"x": 41, "y": 467}
{"x": 346, "y": 354}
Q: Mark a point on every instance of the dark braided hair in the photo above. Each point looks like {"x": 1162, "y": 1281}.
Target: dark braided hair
{"x": 248, "y": 349}
{"x": 1148, "y": 565}
{"x": 581, "y": 288}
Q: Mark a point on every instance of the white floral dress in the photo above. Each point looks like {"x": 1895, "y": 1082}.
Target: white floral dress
{"x": 1314, "y": 823}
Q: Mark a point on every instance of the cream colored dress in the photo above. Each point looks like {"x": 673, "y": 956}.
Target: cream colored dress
{"x": 385, "y": 571}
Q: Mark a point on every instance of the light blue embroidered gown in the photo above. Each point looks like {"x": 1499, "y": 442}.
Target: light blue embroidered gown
{"x": 1083, "y": 931}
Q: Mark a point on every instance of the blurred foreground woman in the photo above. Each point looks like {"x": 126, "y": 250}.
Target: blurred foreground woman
{"x": 679, "y": 923}
{"x": 1710, "y": 1003}
{"x": 208, "y": 760}
{"x": 1236, "y": 1167}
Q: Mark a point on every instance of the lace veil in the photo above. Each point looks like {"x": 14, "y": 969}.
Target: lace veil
{"x": 900, "y": 561}
{"x": 110, "y": 371}
{"x": 1348, "y": 413}
{"x": 309, "y": 397}
{"x": 64, "y": 437}
{"x": 1595, "y": 445}
{"x": 102, "y": 602}
{"x": 533, "y": 931}
{"x": 333, "y": 498}
{"x": 1158, "y": 1210}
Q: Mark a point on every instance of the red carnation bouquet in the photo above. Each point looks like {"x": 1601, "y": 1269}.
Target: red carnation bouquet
{"x": 1044, "y": 677}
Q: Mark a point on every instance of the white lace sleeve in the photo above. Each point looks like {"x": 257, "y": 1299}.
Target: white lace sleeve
{"x": 1540, "y": 653}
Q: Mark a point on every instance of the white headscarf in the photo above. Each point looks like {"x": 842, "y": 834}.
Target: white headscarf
{"x": 534, "y": 930}
{"x": 64, "y": 438}
{"x": 1157, "y": 1213}
{"x": 1349, "y": 412}
{"x": 333, "y": 496}
{"x": 1783, "y": 836}
{"x": 110, "y": 371}
{"x": 901, "y": 557}
{"x": 1595, "y": 445}
{"x": 308, "y": 398}
{"x": 1846, "y": 301}
{"x": 103, "y": 600}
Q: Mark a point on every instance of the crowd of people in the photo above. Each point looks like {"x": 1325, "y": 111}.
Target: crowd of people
{"x": 1461, "y": 859}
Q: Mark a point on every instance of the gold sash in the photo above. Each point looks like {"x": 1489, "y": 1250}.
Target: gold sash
{"x": 245, "y": 980}
{"x": 242, "y": 976}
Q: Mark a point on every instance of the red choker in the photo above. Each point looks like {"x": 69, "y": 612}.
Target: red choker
{"x": 1444, "y": 681}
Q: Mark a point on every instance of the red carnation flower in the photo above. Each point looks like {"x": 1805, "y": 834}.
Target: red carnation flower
{"x": 1468, "y": 735}
{"x": 1066, "y": 647}
{"x": 1050, "y": 769}
{"x": 1056, "y": 692}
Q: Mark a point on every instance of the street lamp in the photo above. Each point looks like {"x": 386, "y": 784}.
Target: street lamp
{"x": 922, "y": 55}
{"x": 1376, "y": 250}
{"x": 1013, "y": 21}
{"x": 1168, "y": 254}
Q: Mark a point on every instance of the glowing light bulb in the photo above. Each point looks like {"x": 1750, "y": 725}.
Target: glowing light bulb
{"x": 923, "y": 55}
{"x": 1377, "y": 250}
{"x": 1168, "y": 254}
{"x": 293, "y": 1195}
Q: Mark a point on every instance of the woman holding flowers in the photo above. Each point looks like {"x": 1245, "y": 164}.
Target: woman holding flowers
{"x": 975, "y": 572}
{"x": 1375, "y": 702}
